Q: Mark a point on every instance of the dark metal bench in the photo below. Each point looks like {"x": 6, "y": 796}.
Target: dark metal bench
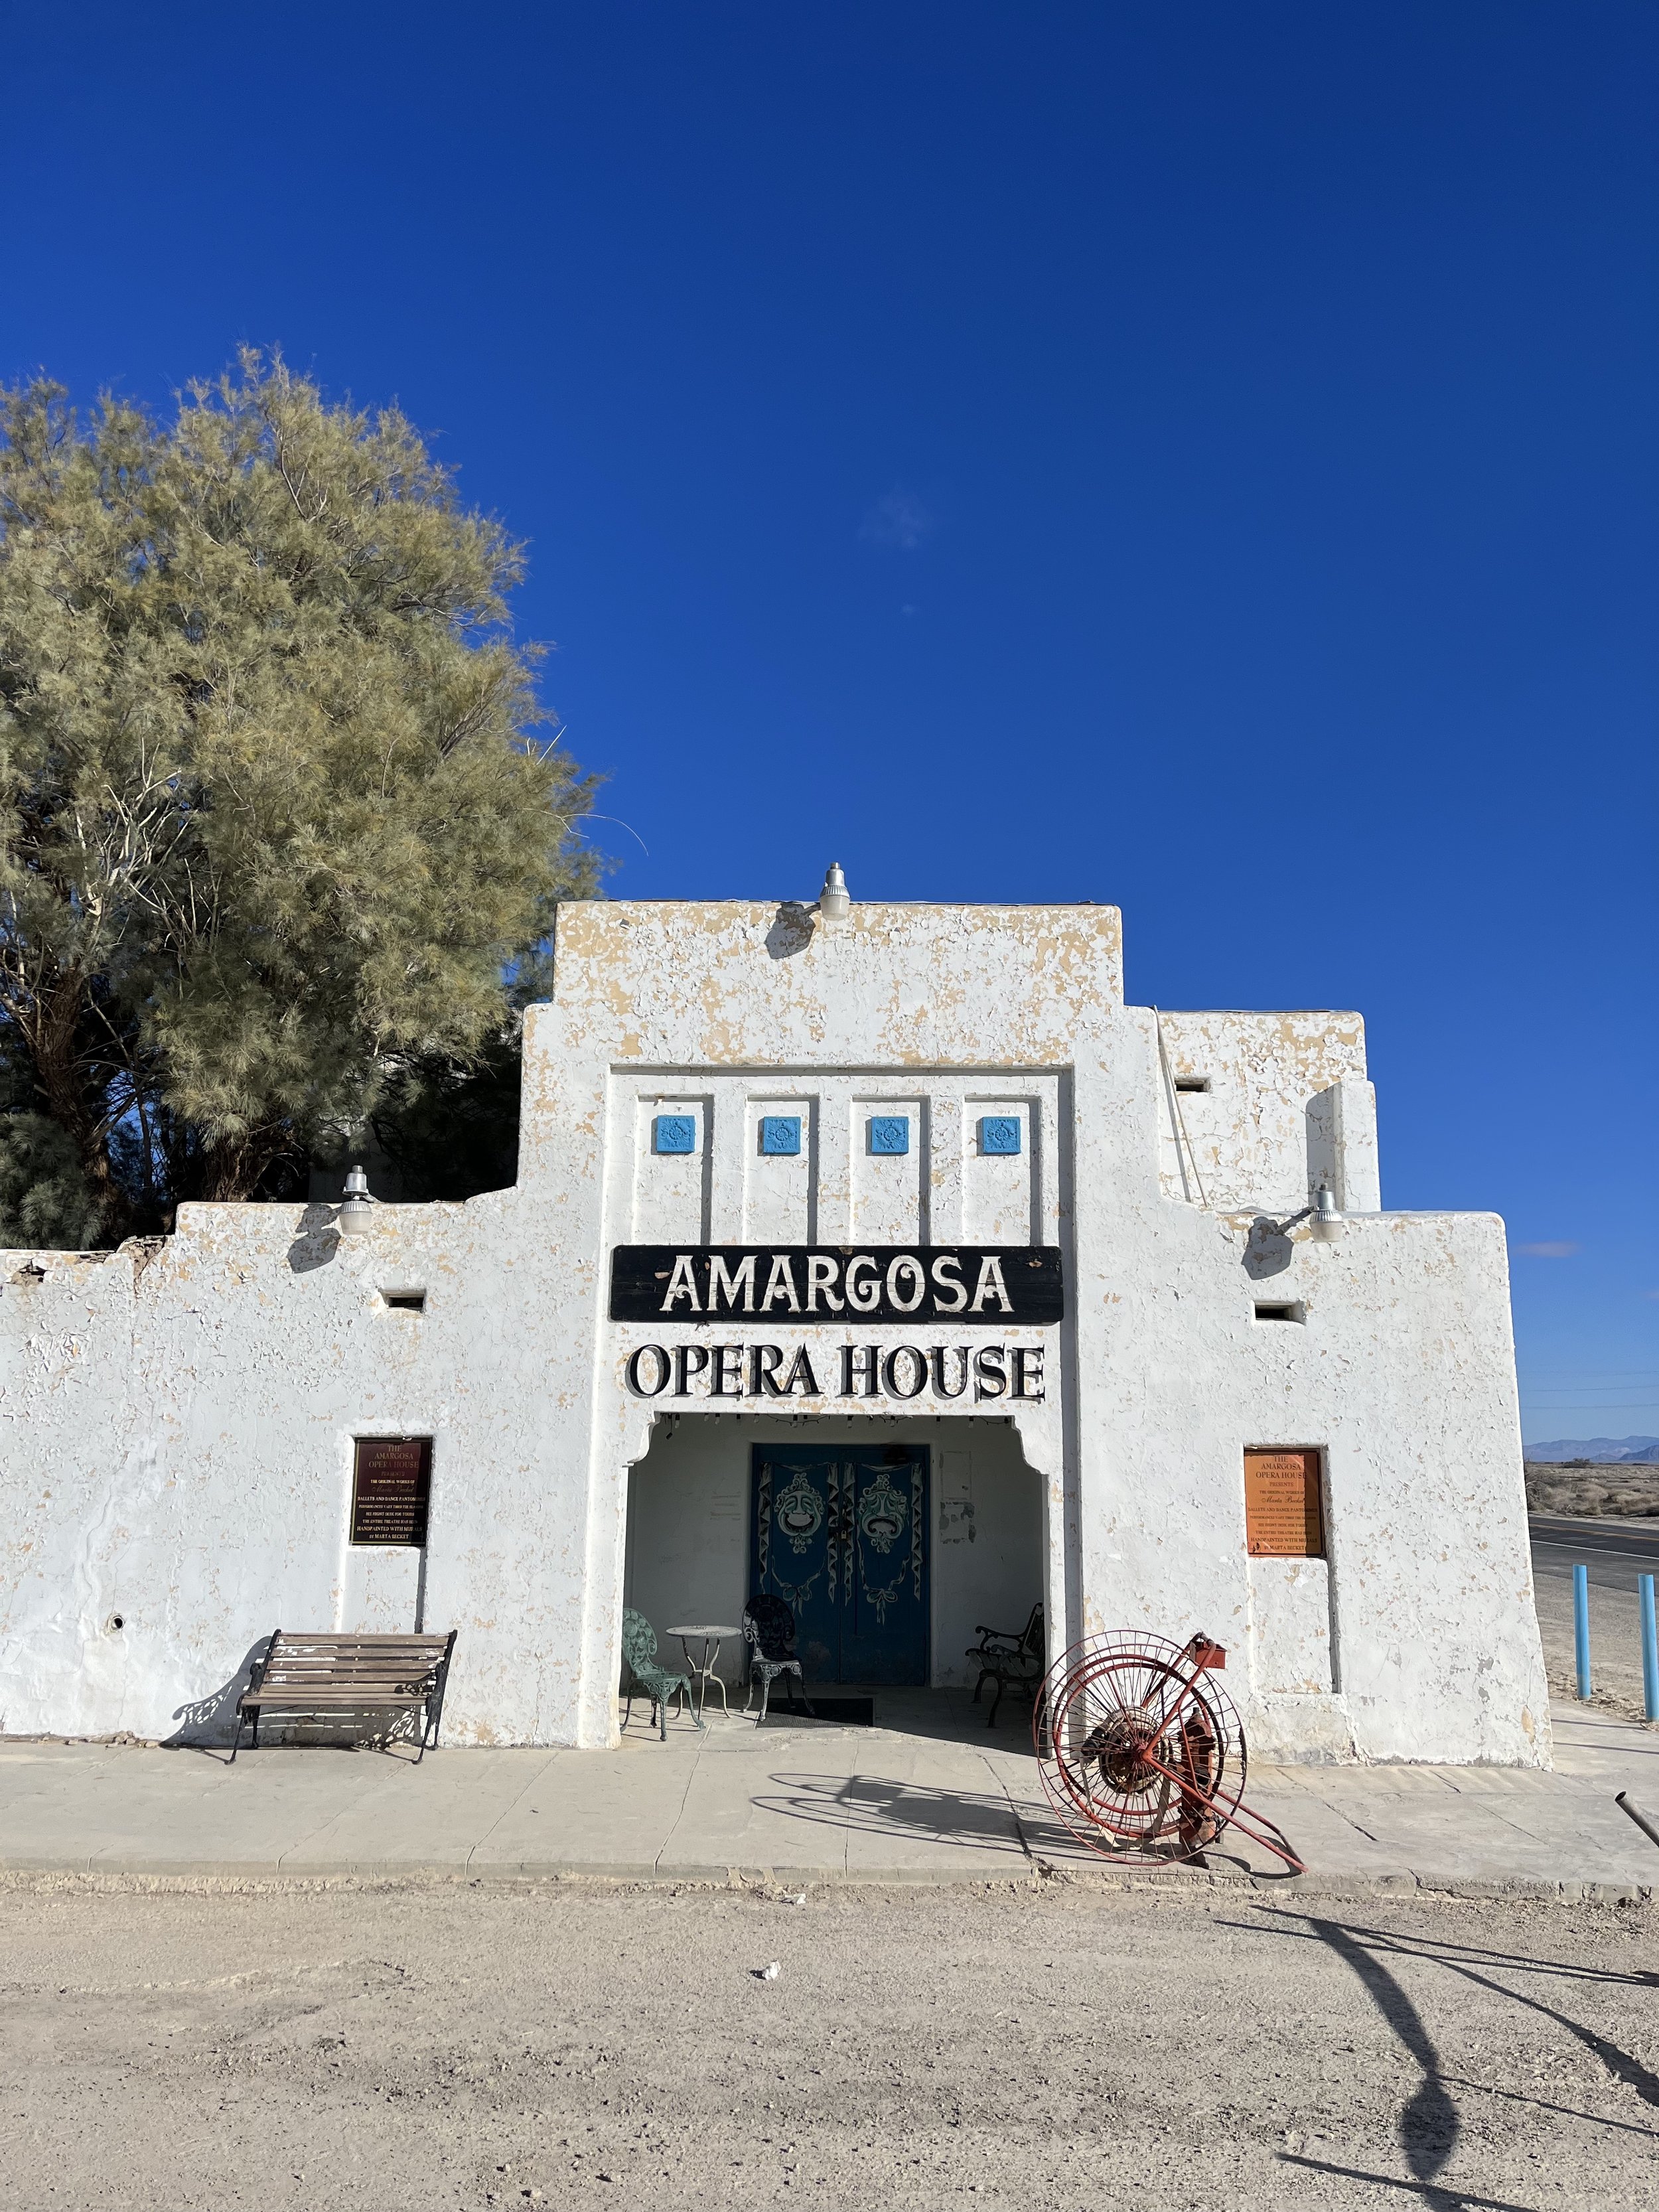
{"x": 314, "y": 1675}
{"x": 1012, "y": 1659}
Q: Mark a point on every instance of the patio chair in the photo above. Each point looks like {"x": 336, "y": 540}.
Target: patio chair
{"x": 1013, "y": 1661}
{"x": 768, "y": 1630}
{"x": 648, "y": 1680}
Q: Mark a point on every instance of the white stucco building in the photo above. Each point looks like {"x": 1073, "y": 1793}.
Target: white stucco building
{"x": 1002, "y": 1302}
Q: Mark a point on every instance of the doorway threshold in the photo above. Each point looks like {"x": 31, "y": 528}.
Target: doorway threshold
{"x": 831, "y": 1709}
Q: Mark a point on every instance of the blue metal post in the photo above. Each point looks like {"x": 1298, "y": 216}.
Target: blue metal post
{"x": 1649, "y": 1648}
{"x": 1581, "y": 1627}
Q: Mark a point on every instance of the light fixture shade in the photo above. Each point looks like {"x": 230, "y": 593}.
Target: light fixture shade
{"x": 1326, "y": 1222}
{"x": 357, "y": 1207}
{"x": 834, "y": 901}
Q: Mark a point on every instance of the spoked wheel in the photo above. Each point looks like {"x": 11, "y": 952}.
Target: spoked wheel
{"x": 1140, "y": 1749}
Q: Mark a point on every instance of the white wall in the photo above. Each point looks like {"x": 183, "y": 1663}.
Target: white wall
{"x": 689, "y": 1507}
{"x": 176, "y": 1421}
{"x": 1285, "y": 1106}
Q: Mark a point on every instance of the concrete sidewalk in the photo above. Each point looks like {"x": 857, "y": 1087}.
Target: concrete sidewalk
{"x": 803, "y": 1803}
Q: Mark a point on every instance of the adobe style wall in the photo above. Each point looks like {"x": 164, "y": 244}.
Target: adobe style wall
{"x": 176, "y": 1419}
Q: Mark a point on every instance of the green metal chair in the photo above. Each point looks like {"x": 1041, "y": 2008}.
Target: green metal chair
{"x": 648, "y": 1680}
{"x": 768, "y": 1630}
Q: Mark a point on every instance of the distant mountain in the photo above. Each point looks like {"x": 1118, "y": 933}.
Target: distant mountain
{"x": 1601, "y": 1451}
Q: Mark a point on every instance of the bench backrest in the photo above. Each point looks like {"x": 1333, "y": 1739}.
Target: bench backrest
{"x": 298, "y": 1661}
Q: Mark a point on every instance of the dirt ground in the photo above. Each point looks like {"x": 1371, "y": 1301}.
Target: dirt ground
{"x": 452, "y": 2044}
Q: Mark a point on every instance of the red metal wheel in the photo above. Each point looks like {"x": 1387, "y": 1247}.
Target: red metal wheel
{"x": 1140, "y": 1749}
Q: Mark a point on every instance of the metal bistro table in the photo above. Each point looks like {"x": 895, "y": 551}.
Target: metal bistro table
{"x": 702, "y": 1671}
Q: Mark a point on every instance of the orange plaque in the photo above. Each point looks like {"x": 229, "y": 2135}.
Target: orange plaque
{"x": 1284, "y": 1517}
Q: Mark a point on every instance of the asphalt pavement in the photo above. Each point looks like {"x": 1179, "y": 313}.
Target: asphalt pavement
{"x": 1615, "y": 1552}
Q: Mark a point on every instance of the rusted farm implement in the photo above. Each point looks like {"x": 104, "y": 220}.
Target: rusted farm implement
{"x": 1142, "y": 1753}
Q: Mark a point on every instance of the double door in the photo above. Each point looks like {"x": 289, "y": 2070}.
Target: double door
{"x": 841, "y": 1535}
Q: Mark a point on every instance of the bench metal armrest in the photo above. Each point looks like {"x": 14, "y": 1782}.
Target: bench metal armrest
{"x": 1010, "y": 1637}
{"x": 256, "y": 1673}
{"x": 433, "y": 1713}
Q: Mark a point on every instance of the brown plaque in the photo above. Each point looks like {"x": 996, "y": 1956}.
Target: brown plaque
{"x": 1284, "y": 1517}
{"x": 390, "y": 1484}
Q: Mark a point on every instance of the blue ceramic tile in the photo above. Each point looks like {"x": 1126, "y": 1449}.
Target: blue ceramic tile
{"x": 675, "y": 1133}
{"x": 998, "y": 1132}
{"x": 779, "y": 1133}
{"x": 889, "y": 1133}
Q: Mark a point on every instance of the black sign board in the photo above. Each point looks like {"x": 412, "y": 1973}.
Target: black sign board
{"x": 833, "y": 1285}
{"x": 392, "y": 1481}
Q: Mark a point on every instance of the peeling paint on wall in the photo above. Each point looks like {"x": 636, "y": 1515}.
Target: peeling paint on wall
{"x": 176, "y": 1419}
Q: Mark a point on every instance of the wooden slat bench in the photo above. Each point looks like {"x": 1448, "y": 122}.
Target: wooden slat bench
{"x": 319, "y": 1674}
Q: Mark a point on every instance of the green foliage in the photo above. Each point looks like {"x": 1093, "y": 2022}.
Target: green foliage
{"x": 46, "y": 1201}
{"x": 274, "y": 821}
{"x": 453, "y": 1130}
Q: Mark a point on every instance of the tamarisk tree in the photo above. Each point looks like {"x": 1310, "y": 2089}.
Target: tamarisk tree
{"x": 279, "y": 819}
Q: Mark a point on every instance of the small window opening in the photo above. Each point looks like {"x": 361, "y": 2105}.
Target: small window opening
{"x": 1281, "y": 1313}
{"x": 405, "y": 1301}
{"x": 1192, "y": 1082}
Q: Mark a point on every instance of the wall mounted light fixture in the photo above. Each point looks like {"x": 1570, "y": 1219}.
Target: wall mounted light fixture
{"x": 1326, "y": 1221}
{"x": 357, "y": 1207}
{"x": 834, "y": 900}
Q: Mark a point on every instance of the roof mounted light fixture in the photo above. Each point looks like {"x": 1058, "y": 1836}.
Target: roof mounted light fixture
{"x": 834, "y": 901}
{"x": 357, "y": 1207}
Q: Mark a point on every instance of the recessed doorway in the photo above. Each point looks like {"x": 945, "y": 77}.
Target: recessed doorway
{"x": 692, "y": 1550}
{"x": 840, "y": 1534}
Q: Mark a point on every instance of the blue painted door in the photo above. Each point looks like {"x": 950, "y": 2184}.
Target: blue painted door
{"x": 840, "y": 1535}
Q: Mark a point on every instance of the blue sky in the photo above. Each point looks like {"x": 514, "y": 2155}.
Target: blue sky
{"x": 1196, "y": 457}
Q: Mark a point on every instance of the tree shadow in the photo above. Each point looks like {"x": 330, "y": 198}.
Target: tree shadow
{"x": 1443, "y": 2200}
{"x": 1447, "y": 1954}
{"x": 1543, "y": 2105}
{"x": 1459, "y": 1958}
{"x": 1429, "y": 2125}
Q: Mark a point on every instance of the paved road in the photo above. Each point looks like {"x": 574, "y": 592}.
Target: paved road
{"x": 1615, "y": 1553}
{"x": 449, "y": 2049}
